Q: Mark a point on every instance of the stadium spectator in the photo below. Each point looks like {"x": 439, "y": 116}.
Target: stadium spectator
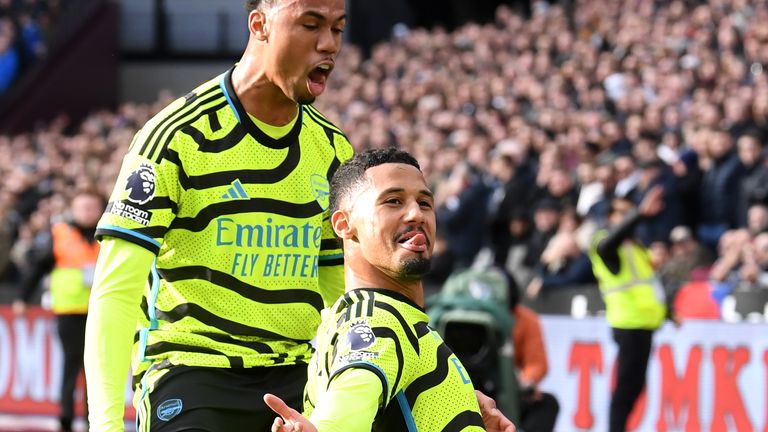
{"x": 31, "y": 37}
{"x": 757, "y": 219}
{"x": 69, "y": 256}
{"x": 9, "y": 55}
{"x": 755, "y": 265}
{"x": 546, "y": 218}
{"x": 563, "y": 264}
{"x": 754, "y": 185}
{"x": 627, "y": 176}
{"x": 509, "y": 195}
{"x": 658, "y": 253}
{"x": 685, "y": 256}
{"x": 719, "y": 189}
{"x": 520, "y": 229}
{"x": 461, "y": 209}
{"x": 25, "y": 28}
{"x": 560, "y": 187}
{"x": 688, "y": 174}
{"x": 654, "y": 172}
{"x": 736, "y": 118}
{"x": 726, "y": 272}
{"x": 603, "y": 189}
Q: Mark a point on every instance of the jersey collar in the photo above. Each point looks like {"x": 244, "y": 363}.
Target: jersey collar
{"x": 242, "y": 117}
{"x": 389, "y": 293}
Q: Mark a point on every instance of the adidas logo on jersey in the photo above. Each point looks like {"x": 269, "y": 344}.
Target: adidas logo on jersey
{"x": 235, "y": 192}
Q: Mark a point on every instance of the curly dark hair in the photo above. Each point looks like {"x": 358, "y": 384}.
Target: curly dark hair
{"x": 351, "y": 173}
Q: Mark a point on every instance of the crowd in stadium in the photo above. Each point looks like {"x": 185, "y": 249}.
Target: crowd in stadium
{"x": 526, "y": 127}
{"x": 24, "y": 28}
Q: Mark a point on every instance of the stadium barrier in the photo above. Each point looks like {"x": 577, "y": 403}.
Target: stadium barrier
{"x": 30, "y": 366}
{"x": 742, "y": 304}
{"x": 704, "y": 376}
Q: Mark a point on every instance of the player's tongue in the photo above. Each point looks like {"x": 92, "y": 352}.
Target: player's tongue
{"x": 416, "y": 242}
{"x": 316, "y": 81}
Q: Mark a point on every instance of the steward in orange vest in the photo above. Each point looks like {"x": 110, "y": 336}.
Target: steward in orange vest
{"x": 70, "y": 258}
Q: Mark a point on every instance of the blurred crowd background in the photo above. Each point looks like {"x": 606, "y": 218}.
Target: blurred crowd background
{"x": 526, "y": 127}
{"x": 24, "y": 28}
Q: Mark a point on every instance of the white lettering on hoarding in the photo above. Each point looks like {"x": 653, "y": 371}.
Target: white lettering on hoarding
{"x": 5, "y": 357}
{"x": 30, "y": 353}
{"x": 704, "y": 376}
{"x": 55, "y": 363}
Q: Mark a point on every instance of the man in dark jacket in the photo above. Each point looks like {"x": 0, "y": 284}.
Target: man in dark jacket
{"x": 719, "y": 190}
{"x": 754, "y": 183}
{"x": 462, "y": 213}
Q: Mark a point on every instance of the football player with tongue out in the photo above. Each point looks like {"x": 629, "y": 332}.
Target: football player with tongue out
{"x": 245, "y": 149}
{"x": 378, "y": 364}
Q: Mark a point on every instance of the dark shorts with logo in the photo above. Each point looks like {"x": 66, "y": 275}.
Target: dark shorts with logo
{"x": 210, "y": 399}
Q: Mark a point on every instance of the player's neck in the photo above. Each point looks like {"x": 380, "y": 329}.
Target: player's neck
{"x": 260, "y": 97}
{"x": 354, "y": 279}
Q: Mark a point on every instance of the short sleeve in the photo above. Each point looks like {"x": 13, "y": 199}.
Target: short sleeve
{"x": 366, "y": 343}
{"x": 144, "y": 200}
{"x": 350, "y": 404}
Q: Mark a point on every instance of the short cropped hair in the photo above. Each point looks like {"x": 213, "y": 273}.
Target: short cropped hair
{"x": 351, "y": 174}
{"x": 90, "y": 190}
{"x": 251, "y": 5}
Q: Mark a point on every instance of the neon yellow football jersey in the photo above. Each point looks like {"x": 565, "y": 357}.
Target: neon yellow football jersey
{"x": 424, "y": 385}
{"x": 239, "y": 222}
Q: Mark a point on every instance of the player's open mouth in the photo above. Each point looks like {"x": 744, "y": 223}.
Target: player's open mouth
{"x": 414, "y": 240}
{"x": 317, "y": 78}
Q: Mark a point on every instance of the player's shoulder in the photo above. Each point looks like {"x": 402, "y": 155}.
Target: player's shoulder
{"x": 377, "y": 306}
{"x": 176, "y": 110}
{"x": 353, "y": 304}
{"x": 161, "y": 129}
{"x": 313, "y": 115}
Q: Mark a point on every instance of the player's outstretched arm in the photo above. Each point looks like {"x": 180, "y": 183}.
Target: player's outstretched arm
{"x": 493, "y": 419}
{"x": 290, "y": 420}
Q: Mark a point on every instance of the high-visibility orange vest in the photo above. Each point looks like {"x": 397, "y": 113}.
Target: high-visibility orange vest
{"x": 72, "y": 275}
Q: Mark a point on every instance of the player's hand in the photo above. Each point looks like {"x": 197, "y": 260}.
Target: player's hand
{"x": 290, "y": 420}
{"x": 493, "y": 419}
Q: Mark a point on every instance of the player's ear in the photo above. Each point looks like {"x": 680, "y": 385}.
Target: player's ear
{"x": 257, "y": 25}
{"x": 341, "y": 225}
